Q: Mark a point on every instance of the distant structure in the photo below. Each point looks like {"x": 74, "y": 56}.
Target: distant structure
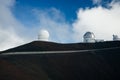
{"x": 89, "y": 37}
{"x": 115, "y": 38}
{"x": 43, "y": 35}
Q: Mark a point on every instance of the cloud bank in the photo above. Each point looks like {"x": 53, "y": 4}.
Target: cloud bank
{"x": 8, "y": 26}
{"x": 102, "y": 21}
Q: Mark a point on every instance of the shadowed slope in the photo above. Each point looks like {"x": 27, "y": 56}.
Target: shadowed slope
{"x": 102, "y": 64}
{"x": 51, "y": 46}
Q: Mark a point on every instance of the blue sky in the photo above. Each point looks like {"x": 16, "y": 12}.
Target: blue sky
{"x": 66, "y": 20}
{"x": 68, "y": 7}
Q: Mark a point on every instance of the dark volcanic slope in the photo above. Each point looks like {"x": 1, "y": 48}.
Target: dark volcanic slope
{"x": 102, "y": 64}
{"x": 91, "y": 65}
{"x": 51, "y": 46}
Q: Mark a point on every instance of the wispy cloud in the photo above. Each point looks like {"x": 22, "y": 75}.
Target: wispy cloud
{"x": 103, "y": 22}
{"x": 97, "y": 2}
{"x": 8, "y": 26}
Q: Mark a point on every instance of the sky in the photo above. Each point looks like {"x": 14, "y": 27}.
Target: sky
{"x": 65, "y": 20}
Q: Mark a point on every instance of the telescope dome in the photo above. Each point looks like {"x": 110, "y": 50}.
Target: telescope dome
{"x": 89, "y": 35}
{"x": 43, "y": 35}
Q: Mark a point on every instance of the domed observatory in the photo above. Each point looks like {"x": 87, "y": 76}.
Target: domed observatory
{"x": 43, "y": 35}
{"x": 89, "y": 37}
{"x": 116, "y": 38}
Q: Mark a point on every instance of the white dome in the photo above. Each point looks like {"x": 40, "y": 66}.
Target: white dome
{"x": 89, "y": 35}
{"x": 43, "y": 35}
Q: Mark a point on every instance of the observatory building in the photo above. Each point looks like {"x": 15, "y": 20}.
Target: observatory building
{"x": 89, "y": 37}
{"x": 116, "y": 38}
{"x": 43, "y": 35}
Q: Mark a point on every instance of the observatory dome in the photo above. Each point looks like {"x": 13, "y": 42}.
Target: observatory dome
{"x": 43, "y": 35}
{"x": 89, "y": 35}
{"x": 115, "y": 38}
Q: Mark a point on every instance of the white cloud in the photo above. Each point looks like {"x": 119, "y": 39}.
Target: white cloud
{"x": 9, "y": 39}
{"x": 103, "y": 22}
{"x": 8, "y": 26}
